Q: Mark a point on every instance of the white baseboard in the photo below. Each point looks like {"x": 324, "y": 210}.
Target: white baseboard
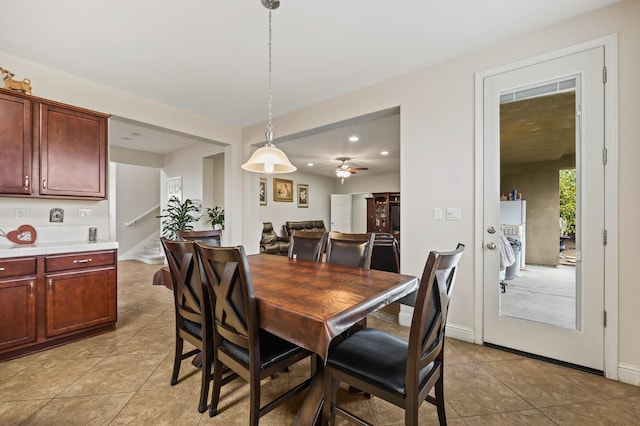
{"x": 629, "y": 373}
{"x": 453, "y": 330}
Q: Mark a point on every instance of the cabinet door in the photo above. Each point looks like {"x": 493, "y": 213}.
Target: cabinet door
{"x": 17, "y": 312}
{"x": 79, "y": 300}
{"x": 15, "y": 145}
{"x": 73, "y": 152}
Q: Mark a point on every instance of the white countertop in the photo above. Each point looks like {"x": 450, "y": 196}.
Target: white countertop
{"x": 17, "y": 250}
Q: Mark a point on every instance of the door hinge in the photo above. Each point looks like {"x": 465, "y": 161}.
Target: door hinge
{"x": 604, "y": 318}
{"x": 604, "y": 74}
{"x": 604, "y": 237}
{"x": 604, "y": 156}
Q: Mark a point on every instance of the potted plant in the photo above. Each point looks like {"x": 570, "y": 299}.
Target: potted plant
{"x": 215, "y": 216}
{"x": 178, "y": 217}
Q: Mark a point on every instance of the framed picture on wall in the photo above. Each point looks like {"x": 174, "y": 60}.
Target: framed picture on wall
{"x": 303, "y": 195}
{"x": 263, "y": 192}
{"x": 282, "y": 190}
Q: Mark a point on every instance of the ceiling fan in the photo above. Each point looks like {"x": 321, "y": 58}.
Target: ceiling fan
{"x": 344, "y": 170}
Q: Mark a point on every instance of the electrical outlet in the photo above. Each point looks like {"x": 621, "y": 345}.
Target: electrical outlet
{"x": 84, "y": 212}
{"x": 20, "y": 213}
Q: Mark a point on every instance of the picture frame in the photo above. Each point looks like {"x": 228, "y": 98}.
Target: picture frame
{"x": 282, "y": 190}
{"x": 263, "y": 191}
{"x": 303, "y": 195}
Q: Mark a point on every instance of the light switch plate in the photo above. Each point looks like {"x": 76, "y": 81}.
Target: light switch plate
{"x": 453, "y": 213}
{"x": 20, "y": 213}
{"x": 437, "y": 213}
{"x": 84, "y": 212}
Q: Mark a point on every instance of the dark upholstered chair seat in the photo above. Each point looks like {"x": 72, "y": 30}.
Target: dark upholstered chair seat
{"x": 191, "y": 327}
{"x": 272, "y": 350}
{"x": 376, "y": 357}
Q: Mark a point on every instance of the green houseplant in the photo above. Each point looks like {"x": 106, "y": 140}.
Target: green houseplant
{"x": 215, "y": 216}
{"x": 179, "y": 216}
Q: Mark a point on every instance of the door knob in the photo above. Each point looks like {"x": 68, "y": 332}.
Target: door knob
{"x": 491, "y": 246}
{"x": 491, "y": 230}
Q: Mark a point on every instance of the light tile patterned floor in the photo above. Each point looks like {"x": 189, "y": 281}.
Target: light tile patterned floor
{"x": 122, "y": 378}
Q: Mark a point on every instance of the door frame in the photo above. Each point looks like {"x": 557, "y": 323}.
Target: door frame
{"x": 610, "y": 44}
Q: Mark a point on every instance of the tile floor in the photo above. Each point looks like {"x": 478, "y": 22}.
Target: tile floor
{"x": 122, "y": 378}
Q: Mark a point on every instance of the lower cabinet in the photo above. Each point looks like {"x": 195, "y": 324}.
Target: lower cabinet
{"x": 18, "y": 314}
{"x": 78, "y": 300}
{"x": 49, "y": 300}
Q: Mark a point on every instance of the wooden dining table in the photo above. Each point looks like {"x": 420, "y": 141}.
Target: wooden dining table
{"x": 312, "y": 303}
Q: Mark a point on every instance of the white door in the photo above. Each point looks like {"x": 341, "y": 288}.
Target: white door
{"x": 341, "y": 212}
{"x": 582, "y": 343}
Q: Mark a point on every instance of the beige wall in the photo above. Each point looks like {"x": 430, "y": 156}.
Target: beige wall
{"x": 438, "y": 154}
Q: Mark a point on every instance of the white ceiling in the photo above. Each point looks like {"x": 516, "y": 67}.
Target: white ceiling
{"x": 210, "y": 56}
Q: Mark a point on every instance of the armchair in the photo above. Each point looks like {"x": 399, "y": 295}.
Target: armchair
{"x": 271, "y": 243}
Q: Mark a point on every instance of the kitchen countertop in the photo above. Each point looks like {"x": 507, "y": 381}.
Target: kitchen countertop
{"x": 17, "y": 250}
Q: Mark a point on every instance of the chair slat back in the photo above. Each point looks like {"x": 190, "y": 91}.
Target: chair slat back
{"x": 210, "y": 237}
{"x": 227, "y": 276}
{"x": 350, "y": 249}
{"x": 307, "y": 245}
{"x": 188, "y": 293}
{"x": 430, "y": 313}
{"x": 385, "y": 255}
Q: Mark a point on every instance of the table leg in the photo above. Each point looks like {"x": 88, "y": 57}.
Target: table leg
{"x": 310, "y": 413}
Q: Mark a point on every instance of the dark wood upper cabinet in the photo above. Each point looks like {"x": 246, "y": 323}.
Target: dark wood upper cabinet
{"x": 15, "y": 143}
{"x": 51, "y": 149}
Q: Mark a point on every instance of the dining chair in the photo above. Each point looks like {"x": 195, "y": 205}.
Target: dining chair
{"x": 386, "y": 253}
{"x": 350, "y": 249}
{"x": 238, "y": 341}
{"x": 192, "y": 312}
{"x": 210, "y": 237}
{"x": 307, "y": 245}
{"x": 399, "y": 371}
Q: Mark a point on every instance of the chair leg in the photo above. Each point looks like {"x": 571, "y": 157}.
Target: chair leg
{"x": 206, "y": 379}
{"x": 330, "y": 396}
{"x": 254, "y": 404}
{"x": 177, "y": 360}
{"x": 439, "y": 391}
{"x": 217, "y": 383}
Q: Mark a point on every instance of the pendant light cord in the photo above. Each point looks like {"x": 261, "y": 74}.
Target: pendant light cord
{"x": 269, "y": 133}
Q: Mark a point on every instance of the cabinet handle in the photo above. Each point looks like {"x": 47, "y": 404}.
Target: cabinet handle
{"x": 44, "y": 184}
{"x": 31, "y": 287}
{"x": 26, "y": 182}
{"x": 50, "y": 286}
{"x": 83, "y": 261}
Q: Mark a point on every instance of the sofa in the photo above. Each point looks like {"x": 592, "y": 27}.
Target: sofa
{"x": 271, "y": 243}
{"x": 303, "y": 225}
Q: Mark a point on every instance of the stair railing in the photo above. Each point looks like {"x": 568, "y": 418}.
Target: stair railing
{"x": 142, "y": 215}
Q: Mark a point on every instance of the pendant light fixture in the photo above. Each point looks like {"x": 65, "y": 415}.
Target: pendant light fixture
{"x": 269, "y": 159}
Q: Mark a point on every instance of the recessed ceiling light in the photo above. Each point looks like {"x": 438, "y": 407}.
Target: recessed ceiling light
{"x": 384, "y": 153}
{"x": 353, "y": 138}
{"x": 310, "y": 164}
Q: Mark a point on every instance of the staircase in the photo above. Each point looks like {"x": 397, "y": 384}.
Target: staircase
{"x": 152, "y": 254}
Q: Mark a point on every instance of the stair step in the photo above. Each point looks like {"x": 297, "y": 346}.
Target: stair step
{"x": 149, "y": 258}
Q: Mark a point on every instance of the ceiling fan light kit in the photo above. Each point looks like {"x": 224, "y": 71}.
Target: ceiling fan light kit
{"x": 269, "y": 159}
{"x": 344, "y": 170}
